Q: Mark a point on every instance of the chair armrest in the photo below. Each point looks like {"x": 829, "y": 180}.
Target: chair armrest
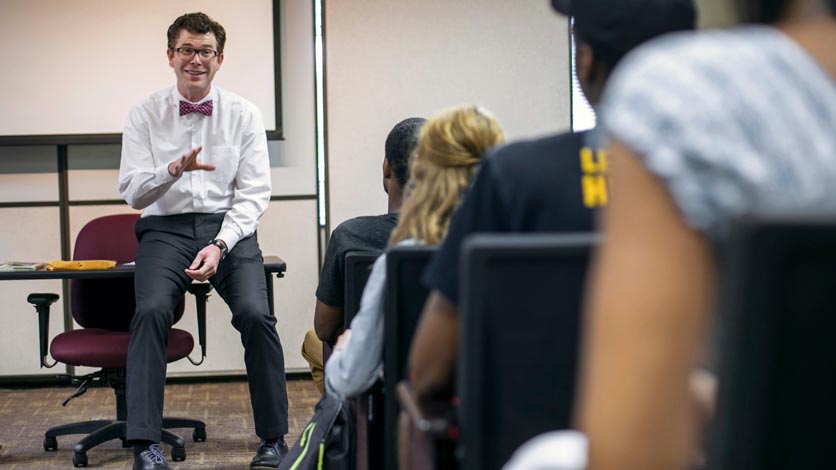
{"x": 433, "y": 418}
{"x": 42, "y": 303}
{"x": 200, "y": 291}
{"x": 275, "y": 265}
{"x": 430, "y": 435}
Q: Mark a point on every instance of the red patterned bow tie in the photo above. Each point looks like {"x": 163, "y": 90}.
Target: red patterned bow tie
{"x": 204, "y": 108}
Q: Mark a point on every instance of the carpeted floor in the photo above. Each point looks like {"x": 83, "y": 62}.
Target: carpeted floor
{"x": 225, "y": 408}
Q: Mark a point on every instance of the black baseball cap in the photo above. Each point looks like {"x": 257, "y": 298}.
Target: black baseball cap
{"x": 614, "y": 27}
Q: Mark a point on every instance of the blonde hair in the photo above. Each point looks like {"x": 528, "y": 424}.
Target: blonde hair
{"x": 450, "y": 147}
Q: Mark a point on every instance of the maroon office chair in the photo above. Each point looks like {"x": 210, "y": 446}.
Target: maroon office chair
{"x": 104, "y": 308}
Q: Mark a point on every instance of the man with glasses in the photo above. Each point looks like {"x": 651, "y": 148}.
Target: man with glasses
{"x": 194, "y": 157}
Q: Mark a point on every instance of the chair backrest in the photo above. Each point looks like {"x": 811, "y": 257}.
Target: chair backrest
{"x": 777, "y": 325}
{"x": 405, "y": 296}
{"x": 96, "y": 302}
{"x": 520, "y": 310}
{"x": 358, "y": 266}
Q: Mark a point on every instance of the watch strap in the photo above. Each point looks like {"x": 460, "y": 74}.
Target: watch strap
{"x": 221, "y": 245}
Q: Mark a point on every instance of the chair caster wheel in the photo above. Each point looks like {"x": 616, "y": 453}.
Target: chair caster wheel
{"x": 199, "y": 435}
{"x": 50, "y": 443}
{"x": 178, "y": 454}
{"x": 80, "y": 459}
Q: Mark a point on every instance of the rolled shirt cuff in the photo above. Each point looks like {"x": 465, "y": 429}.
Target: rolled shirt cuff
{"x": 229, "y": 237}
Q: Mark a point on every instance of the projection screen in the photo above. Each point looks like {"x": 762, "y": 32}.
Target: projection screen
{"x": 72, "y": 69}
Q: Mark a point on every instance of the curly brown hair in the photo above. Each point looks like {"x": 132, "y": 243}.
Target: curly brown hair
{"x": 197, "y": 23}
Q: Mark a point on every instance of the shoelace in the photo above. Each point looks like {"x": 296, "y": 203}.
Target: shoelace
{"x": 156, "y": 451}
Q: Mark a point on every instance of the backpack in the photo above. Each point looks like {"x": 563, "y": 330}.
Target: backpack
{"x": 327, "y": 442}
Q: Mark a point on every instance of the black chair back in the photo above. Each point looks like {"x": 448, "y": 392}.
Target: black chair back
{"x": 777, "y": 369}
{"x": 405, "y": 296}
{"x": 358, "y": 266}
{"x": 520, "y": 310}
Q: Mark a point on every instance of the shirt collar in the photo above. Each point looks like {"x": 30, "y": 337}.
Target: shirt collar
{"x": 176, "y": 97}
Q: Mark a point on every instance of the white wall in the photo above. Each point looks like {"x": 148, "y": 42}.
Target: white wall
{"x": 386, "y": 60}
{"x": 390, "y": 59}
{"x": 106, "y": 55}
{"x": 288, "y": 228}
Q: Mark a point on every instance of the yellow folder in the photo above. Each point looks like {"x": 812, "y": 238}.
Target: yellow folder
{"x": 80, "y": 265}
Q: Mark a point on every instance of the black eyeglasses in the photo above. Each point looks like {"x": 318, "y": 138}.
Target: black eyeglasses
{"x": 189, "y": 52}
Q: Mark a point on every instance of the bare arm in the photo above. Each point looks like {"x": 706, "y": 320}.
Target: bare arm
{"x": 649, "y": 300}
{"x": 432, "y": 358}
{"x": 327, "y": 321}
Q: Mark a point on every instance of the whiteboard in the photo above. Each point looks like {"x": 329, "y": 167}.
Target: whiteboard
{"x": 75, "y": 67}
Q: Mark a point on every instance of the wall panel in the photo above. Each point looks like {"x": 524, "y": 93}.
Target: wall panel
{"x": 391, "y": 59}
{"x": 30, "y": 234}
{"x": 288, "y": 229}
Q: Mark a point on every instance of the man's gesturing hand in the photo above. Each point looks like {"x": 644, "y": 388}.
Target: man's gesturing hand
{"x": 188, "y": 162}
{"x": 205, "y": 264}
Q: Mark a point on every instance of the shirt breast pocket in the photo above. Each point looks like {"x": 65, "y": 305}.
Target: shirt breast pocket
{"x": 225, "y": 159}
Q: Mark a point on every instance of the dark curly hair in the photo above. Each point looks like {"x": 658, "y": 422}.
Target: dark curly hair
{"x": 400, "y": 143}
{"x": 197, "y": 23}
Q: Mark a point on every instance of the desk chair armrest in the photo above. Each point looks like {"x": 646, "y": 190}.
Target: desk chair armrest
{"x": 275, "y": 265}
{"x": 431, "y": 432}
{"x": 42, "y": 303}
{"x": 432, "y": 418}
{"x": 200, "y": 290}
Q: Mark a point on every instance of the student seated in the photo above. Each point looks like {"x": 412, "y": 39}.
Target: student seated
{"x": 450, "y": 147}
{"x": 704, "y": 128}
{"x": 366, "y": 233}
{"x": 553, "y": 184}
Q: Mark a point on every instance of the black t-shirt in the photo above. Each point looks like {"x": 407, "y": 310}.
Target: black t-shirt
{"x": 368, "y": 233}
{"x": 553, "y": 184}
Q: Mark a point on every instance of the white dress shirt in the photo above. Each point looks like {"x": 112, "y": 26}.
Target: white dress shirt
{"x": 233, "y": 139}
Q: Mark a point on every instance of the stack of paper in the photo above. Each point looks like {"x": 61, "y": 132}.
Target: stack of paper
{"x": 21, "y": 266}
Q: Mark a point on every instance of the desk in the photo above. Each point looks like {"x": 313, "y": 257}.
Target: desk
{"x": 272, "y": 265}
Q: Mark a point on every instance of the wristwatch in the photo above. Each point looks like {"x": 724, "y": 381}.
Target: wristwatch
{"x": 221, "y": 245}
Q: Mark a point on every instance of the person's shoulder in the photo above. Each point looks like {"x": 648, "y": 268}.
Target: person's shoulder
{"x": 686, "y": 58}
{"x": 236, "y": 102}
{"x": 537, "y": 146}
{"x": 685, "y": 77}
{"x": 151, "y": 107}
{"x": 365, "y": 233}
{"x": 525, "y": 153}
{"x": 361, "y": 224}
